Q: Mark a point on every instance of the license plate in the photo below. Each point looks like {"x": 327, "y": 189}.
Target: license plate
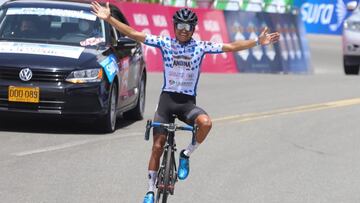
{"x": 24, "y": 94}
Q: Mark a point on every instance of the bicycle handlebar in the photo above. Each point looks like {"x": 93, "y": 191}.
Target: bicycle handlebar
{"x": 171, "y": 127}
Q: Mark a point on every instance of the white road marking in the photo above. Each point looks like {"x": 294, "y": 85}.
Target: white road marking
{"x": 75, "y": 143}
{"x": 286, "y": 111}
{"x": 238, "y": 118}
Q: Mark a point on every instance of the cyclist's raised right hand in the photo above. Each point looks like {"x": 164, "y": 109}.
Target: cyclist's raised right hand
{"x": 100, "y": 11}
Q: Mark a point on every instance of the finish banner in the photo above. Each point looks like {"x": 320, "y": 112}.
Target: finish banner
{"x": 289, "y": 55}
{"x": 157, "y": 20}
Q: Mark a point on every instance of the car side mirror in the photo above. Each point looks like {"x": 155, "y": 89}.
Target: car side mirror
{"x": 351, "y": 5}
{"x": 126, "y": 43}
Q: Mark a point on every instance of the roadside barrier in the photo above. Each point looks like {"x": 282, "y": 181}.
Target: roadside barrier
{"x": 289, "y": 55}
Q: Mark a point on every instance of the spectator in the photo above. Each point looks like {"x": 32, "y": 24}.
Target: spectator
{"x": 27, "y": 29}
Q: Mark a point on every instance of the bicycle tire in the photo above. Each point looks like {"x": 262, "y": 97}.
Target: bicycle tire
{"x": 167, "y": 173}
{"x": 161, "y": 191}
{"x": 160, "y": 181}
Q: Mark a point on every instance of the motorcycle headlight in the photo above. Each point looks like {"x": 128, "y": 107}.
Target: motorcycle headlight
{"x": 352, "y": 25}
{"x": 85, "y": 76}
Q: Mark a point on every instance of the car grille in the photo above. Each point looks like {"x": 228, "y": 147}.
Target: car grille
{"x": 50, "y": 106}
{"x": 39, "y": 75}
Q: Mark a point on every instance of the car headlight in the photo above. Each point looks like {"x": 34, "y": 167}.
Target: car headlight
{"x": 85, "y": 76}
{"x": 352, "y": 25}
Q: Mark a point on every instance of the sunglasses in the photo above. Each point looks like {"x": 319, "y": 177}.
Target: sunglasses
{"x": 181, "y": 26}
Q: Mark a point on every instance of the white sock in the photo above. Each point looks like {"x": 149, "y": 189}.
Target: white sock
{"x": 152, "y": 180}
{"x": 191, "y": 148}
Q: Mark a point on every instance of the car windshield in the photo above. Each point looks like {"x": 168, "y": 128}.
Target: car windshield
{"x": 51, "y": 25}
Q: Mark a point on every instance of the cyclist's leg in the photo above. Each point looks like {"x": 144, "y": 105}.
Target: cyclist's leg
{"x": 159, "y": 139}
{"x": 193, "y": 115}
{"x": 157, "y": 150}
{"x": 154, "y": 162}
{"x": 198, "y": 116}
{"x": 205, "y": 124}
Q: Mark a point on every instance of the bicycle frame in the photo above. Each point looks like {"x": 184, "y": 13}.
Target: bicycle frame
{"x": 167, "y": 173}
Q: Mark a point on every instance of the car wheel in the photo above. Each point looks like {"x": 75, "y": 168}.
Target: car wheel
{"x": 137, "y": 113}
{"x": 108, "y": 122}
{"x": 351, "y": 69}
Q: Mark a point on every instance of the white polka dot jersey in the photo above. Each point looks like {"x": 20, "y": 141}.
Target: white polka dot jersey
{"x": 182, "y": 61}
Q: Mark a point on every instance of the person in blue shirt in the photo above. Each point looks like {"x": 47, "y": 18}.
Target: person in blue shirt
{"x": 182, "y": 57}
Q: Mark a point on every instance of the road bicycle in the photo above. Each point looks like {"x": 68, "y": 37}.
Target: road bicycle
{"x": 167, "y": 173}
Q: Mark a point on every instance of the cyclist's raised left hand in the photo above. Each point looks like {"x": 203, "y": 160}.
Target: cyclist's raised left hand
{"x": 266, "y": 38}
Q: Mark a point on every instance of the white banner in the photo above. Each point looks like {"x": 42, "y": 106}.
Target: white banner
{"x": 41, "y": 49}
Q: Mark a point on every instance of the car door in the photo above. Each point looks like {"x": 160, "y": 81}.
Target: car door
{"x": 125, "y": 50}
{"x": 121, "y": 57}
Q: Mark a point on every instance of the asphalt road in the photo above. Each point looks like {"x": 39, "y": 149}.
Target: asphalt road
{"x": 275, "y": 138}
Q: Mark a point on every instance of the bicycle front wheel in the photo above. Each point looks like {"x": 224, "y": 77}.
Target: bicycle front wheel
{"x": 166, "y": 176}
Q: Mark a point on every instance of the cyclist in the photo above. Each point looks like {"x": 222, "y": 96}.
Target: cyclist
{"x": 182, "y": 58}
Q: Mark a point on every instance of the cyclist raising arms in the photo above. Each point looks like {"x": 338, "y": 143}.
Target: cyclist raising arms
{"x": 182, "y": 57}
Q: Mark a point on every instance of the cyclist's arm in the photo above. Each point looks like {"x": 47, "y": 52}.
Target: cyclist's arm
{"x": 105, "y": 14}
{"x": 264, "y": 39}
{"x": 238, "y": 45}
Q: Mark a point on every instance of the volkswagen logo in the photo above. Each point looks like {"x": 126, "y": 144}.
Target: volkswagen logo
{"x": 25, "y": 74}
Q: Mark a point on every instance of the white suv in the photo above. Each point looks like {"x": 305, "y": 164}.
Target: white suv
{"x": 351, "y": 40}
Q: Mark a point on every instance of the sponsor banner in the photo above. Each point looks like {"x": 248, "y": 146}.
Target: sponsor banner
{"x": 157, "y": 20}
{"x": 110, "y": 67}
{"x": 292, "y": 47}
{"x": 52, "y": 12}
{"x": 151, "y": 19}
{"x": 278, "y": 6}
{"x": 323, "y": 16}
{"x": 289, "y": 55}
{"x": 272, "y": 6}
{"x": 41, "y": 49}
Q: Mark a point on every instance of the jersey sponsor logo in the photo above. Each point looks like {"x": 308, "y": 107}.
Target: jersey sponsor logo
{"x": 182, "y": 63}
{"x": 176, "y": 74}
{"x": 186, "y": 76}
{"x": 174, "y": 83}
{"x": 182, "y": 57}
{"x": 190, "y": 76}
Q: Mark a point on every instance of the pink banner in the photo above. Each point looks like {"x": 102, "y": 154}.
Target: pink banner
{"x": 157, "y": 20}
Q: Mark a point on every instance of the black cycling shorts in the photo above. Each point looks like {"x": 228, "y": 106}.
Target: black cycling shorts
{"x": 182, "y": 105}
